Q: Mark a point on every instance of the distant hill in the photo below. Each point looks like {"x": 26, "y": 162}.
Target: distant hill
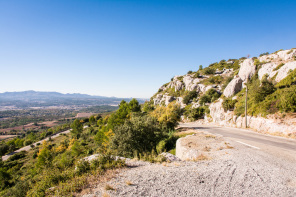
{"x": 28, "y": 99}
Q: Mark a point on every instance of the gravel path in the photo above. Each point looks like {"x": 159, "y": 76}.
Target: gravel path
{"x": 242, "y": 171}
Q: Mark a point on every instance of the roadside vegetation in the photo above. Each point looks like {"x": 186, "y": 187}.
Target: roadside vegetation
{"x": 57, "y": 167}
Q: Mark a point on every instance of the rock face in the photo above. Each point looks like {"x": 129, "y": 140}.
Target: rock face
{"x": 163, "y": 98}
{"x": 216, "y": 111}
{"x": 284, "y": 55}
{"x": 233, "y": 87}
{"x": 284, "y": 70}
{"x": 247, "y": 69}
{"x": 260, "y": 124}
{"x": 266, "y": 69}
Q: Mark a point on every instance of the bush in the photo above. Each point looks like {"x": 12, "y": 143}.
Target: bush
{"x": 228, "y": 104}
{"x": 82, "y": 167}
{"x": 288, "y": 81}
{"x": 213, "y": 80}
{"x": 210, "y": 96}
{"x": 17, "y": 156}
{"x": 192, "y": 94}
{"x": 266, "y": 88}
{"x": 196, "y": 113}
{"x": 189, "y": 72}
{"x": 263, "y": 54}
{"x": 161, "y": 146}
{"x": 208, "y": 71}
{"x": 140, "y": 134}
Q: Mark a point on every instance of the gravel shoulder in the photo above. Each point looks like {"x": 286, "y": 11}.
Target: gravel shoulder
{"x": 241, "y": 171}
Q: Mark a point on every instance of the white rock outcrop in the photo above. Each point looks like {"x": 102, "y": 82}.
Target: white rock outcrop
{"x": 247, "y": 69}
{"x": 160, "y": 98}
{"x": 216, "y": 110}
{"x": 284, "y": 55}
{"x": 284, "y": 70}
{"x": 233, "y": 87}
{"x": 266, "y": 69}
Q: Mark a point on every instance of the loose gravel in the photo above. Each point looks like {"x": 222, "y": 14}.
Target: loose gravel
{"x": 241, "y": 171}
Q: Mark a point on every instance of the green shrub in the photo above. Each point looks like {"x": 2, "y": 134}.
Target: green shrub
{"x": 196, "y": 113}
{"x": 192, "y": 94}
{"x": 208, "y": 71}
{"x": 161, "y": 146}
{"x": 213, "y": 80}
{"x": 228, "y": 104}
{"x": 210, "y": 96}
{"x": 140, "y": 134}
{"x": 288, "y": 81}
{"x": 189, "y": 72}
{"x": 82, "y": 167}
{"x": 263, "y": 54}
{"x": 17, "y": 156}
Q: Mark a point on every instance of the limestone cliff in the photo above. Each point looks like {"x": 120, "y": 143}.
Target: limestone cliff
{"x": 220, "y": 88}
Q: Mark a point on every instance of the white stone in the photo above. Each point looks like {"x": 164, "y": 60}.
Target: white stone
{"x": 284, "y": 70}
{"x": 266, "y": 69}
{"x": 233, "y": 87}
{"x": 247, "y": 69}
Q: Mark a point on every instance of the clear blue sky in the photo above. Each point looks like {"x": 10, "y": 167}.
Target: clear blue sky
{"x": 130, "y": 48}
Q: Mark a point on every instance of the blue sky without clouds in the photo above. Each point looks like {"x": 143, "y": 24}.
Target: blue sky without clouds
{"x": 130, "y": 48}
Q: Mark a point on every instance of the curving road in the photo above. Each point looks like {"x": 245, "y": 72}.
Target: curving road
{"x": 277, "y": 146}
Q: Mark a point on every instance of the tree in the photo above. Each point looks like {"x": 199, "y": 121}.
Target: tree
{"x": 134, "y": 106}
{"x": 168, "y": 116}
{"x": 140, "y": 134}
{"x": 77, "y": 128}
{"x": 200, "y": 67}
{"x": 92, "y": 120}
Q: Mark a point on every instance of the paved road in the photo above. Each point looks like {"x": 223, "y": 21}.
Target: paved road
{"x": 277, "y": 146}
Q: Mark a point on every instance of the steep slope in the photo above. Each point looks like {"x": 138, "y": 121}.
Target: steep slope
{"x": 217, "y": 92}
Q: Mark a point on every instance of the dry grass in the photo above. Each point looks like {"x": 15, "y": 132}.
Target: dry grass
{"x": 201, "y": 157}
{"x": 207, "y": 148}
{"x": 228, "y": 146}
{"x": 105, "y": 195}
{"x": 98, "y": 181}
{"x": 210, "y": 136}
{"x": 109, "y": 187}
{"x": 220, "y": 148}
{"x": 128, "y": 183}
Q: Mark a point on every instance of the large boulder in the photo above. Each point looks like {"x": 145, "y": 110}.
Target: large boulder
{"x": 233, "y": 87}
{"x": 184, "y": 151}
{"x": 247, "y": 69}
{"x": 216, "y": 111}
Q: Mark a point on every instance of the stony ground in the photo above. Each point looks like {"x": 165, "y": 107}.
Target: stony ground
{"x": 241, "y": 171}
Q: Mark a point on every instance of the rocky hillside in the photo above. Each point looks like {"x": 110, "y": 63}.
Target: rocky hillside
{"x": 217, "y": 93}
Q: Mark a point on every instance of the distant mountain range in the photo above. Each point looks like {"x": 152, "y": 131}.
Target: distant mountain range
{"x": 27, "y": 99}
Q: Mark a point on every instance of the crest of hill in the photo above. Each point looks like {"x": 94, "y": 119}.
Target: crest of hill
{"x": 270, "y": 78}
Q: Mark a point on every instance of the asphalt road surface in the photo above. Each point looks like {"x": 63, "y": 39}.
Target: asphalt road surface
{"x": 277, "y": 146}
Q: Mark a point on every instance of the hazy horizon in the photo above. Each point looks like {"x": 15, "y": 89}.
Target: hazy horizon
{"x": 130, "y": 48}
